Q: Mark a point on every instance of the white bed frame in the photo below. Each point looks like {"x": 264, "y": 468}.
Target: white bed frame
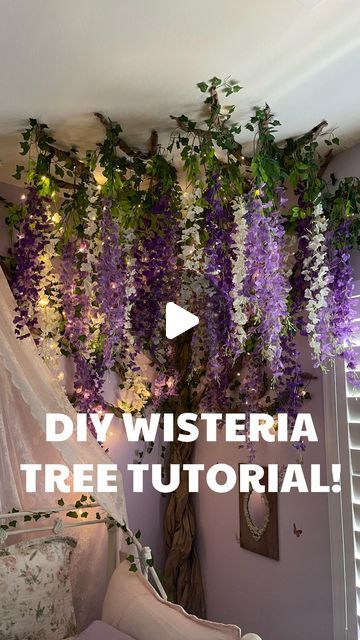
{"x": 58, "y": 527}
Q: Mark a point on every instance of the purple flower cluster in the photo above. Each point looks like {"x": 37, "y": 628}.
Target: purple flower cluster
{"x": 298, "y": 282}
{"x": 31, "y": 240}
{"x": 251, "y": 390}
{"x": 219, "y": 224}
{"x": 87, "y": 377}
{"x": 265, "y": 284}
{"x": 164, "y": 386}
{"x": 342, "y": 311}
{"x": 288, "y": 388}
{"x": 155, "y": 279}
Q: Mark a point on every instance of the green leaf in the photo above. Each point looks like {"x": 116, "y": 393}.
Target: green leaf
{"x": 72, "y": 514}
{"x": 130, "y": 558}
{"x": 202, "y": 86}
{"x": 59, "y": 171}
{"x": 18, "y": 171}
{"x": 61, "y": 502}
{"x": 215, "y": 82}
{"x": 133, "y": 568}
{"x": 83, "y": 498}
{"x": 138, "y": 534}
{"x": 25, "y": 147}
{"x": 249, "y": 127}
{"x": 13, "y": 523}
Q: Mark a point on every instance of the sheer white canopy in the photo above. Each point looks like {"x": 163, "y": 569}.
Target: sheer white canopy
{"x": 24, "y": 370}
{"x": 27, "y": 393}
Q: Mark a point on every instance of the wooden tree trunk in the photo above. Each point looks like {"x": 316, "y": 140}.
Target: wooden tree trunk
{"x": 183, "y": 582}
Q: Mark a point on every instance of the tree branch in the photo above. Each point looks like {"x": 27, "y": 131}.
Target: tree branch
{"x": 325, "y": 162}
{"x": 123, "y": 145}
{"x": 62, "y": 155}
{"x": 296, "y": 143}
{"x": 203, "y": 134}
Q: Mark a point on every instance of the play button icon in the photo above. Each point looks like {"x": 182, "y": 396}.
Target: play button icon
{"x": 178, "y": 320}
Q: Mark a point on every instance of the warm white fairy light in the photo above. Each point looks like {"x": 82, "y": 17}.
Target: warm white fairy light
{"x": 44, "y": 301}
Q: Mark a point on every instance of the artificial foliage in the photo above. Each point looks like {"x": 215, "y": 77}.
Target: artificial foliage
{"x": 257, "y": 244}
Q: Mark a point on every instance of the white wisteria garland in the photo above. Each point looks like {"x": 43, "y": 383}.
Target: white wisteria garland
{"x": 316, "y": 273}
{"x": 239, "y": 272}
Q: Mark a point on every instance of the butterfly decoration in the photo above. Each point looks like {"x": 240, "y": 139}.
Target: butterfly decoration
{"x": 297, "y": 532}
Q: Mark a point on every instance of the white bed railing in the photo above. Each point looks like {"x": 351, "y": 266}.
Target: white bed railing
{"x": 144, "y": 559}
{"x": 59, "y": 526}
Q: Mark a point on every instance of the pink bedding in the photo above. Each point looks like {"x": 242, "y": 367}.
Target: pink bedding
{"x": 102, "y": 631}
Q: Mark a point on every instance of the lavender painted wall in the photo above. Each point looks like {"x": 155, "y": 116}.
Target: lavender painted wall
{"x": 289, "y": 599}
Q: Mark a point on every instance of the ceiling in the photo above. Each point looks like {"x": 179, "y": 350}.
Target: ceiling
{"x": 139, "y": 61}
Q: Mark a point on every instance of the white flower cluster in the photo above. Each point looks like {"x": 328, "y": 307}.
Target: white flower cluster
{"x": 48, "y": 306}
{"x": 92, "y": 243}
{"x": 135, "y": 393}
{"x": 239, "y": 270}
{"x": 191, "y": 249}
{"x": 316, "y": 274}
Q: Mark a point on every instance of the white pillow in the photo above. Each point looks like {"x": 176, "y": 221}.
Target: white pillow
{"x": 35, "y": 591}
{"x": 133, "y": 606}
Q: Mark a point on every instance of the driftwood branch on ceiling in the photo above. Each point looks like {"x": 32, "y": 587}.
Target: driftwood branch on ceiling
{"x": 123, "y": 145}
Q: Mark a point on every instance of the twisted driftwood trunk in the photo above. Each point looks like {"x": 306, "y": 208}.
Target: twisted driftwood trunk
{"x": 183, "y": 582}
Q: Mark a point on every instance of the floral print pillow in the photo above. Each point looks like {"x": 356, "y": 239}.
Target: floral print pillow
{"x": 35, "y": 590}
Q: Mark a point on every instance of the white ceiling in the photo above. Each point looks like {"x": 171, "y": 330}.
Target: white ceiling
{"x": 139, "y": 61}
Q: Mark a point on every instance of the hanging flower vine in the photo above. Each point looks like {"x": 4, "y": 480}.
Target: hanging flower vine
{"x": 92, "y": 272}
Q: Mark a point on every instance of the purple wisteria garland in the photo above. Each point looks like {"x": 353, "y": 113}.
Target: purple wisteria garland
{"x": 95, "y": 270}
{"x": 218, "y": 259}
{"x": 265, "y": 285}
{"x": 342, "y": 310}
{"x": 32, "y": 237}
{"x": 115, "y": 255}
{"x": 88, "y": 378}
{"x": 154, "y": 276}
